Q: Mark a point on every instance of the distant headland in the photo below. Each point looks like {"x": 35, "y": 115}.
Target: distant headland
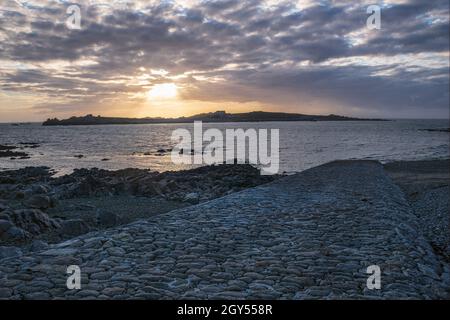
{"x": 218, "y": 116}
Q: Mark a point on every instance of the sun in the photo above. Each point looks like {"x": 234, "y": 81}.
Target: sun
{"x": 163, "y": 91}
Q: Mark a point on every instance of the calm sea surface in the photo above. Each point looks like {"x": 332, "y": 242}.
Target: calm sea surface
{"x": 302, "y": 144}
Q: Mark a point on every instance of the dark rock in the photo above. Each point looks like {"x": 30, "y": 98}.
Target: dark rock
{"x": 39, "y": 189}
{"x": 436, "y": 130}
{"x": 33, "y": 220}
{"x": 3, "y": 207}
{"x": 20, "y": 195}
{"x": 88, "y": 186}
{"x": 106, "y": 219}
{"x": 8, "y": 154}
{"x": 38, "y": 245}
{"x": 192, "y": 198}
{"x": 31, "y": 145}
{"x": 7, "y": 147}
{"x": 74, "y": 227}
{"x": 5, "y": 216}
{"x": 5, "y": 225}
{"x": 39, "y": 202}
{"x": 15, "y": 234}
{"x": 9, "y": 252}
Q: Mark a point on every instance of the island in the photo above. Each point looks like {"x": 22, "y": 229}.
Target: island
{"x": 218, "y": 116}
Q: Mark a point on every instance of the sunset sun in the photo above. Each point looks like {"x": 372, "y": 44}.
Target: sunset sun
{"x": 163, "y": 91}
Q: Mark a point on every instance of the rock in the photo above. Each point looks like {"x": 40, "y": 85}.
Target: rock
{"x": 74, "y": 227}
{"x": 15, "y": 234}
{"x": 33, "y": 220}
{"x": 39, "y": 189}
{"x": 8, "y": 154}
{"x": 60, "y": 252}
{"x": 116, "y": 251}
{"x": 88, "y": 186}
{"x": 7, "y": 147}
{"x": 5, "y": 225}
{"x": 193, "y": 198}
{"x": 20, "y": 195}
{"x": 38, "y": 245}
{"x": 39, "y": 202}
{"x": 106, "y": 219}
{"x": 5, "y": 293}
{"x": 5, "y": 216}
{"x": 3, "y": 207}
{"x": 9, "y": 252}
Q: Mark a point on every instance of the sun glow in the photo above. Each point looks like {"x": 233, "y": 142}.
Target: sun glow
{"x": 163, "y": 91}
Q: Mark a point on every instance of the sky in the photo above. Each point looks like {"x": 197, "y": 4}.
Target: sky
{"x": 178, "y": 58}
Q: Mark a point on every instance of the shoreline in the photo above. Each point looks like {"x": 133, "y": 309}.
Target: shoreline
{"x": 36, "y": 205}
{"x": 325, "y": 218}
{"x": 64, "y": 206}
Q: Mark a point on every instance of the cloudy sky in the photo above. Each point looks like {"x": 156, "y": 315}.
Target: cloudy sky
{"x": 174, "y": 58}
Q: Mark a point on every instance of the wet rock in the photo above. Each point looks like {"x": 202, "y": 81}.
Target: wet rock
{"x": 9, "y": 252}
{"x": 6, "y": 151}
{"x": 5, "y": 215}
{"x": 7, "y": 147}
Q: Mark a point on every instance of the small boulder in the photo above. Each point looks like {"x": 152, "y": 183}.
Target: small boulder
{"x": 9, "y": 252}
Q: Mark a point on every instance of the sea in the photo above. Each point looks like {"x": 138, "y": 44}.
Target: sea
{"x": 302, "y": 145}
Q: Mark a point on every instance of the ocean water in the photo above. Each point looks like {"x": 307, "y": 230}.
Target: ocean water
{"x": 302, "y": 144}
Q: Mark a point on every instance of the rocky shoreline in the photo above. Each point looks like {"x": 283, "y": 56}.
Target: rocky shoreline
{"x": 306, "y": 236}
{"x": 37, "y": 208}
